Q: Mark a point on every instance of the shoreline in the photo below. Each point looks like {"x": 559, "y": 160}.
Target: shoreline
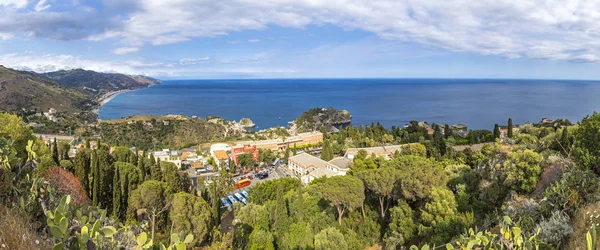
{"x": 105, "y": 98}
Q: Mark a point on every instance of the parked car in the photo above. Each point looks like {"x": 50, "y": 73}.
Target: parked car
{"x": 226, "y": 203}
{"x": 232, "y": 199}
{"x": 240, "y": 198}
{"x": 262, "y": 175}
{"x": 245, "y": 194}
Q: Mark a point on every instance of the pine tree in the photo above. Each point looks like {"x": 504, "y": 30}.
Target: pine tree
{"x": 55, "y": 151}
{"x": 95, "y": 179}
{"x": 496, "y": 131}
{"x": 510, "y": 128}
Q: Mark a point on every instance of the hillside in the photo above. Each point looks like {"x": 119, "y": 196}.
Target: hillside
{"x": 95, "y": 83}
{"x": 161, "y": 131}
{"x": 26, "y": 90}
{"x": 317, "y": 117}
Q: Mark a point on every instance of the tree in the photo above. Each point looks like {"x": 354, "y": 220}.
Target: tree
{"x": 382, "y": 183}
{"x": 155, "y": 170}
{"x": 447, "y": 131}
{"x": 116, "y": 198}
{"x": 87, "y": 144}
{"x": 152, "y": 197}
{"x": 172, "y": 178}
{"x": 68, "y": 165}
{"x": 402, "y": 226}
{"x": 63, "y": 150}
{"x": 261, "y": 240}
{"x": 13, "y": 128}
{"x": 95, "y": 165}
{"x": 122, "y": 154}
{"x": 287, "y": 154}
{"x": 416, "y": 149}
{"x": 438, "y": 140}
{"x": 191, "y": 215}
{"x": 510, "y": 128}
{"x": 127, "y": 177}
{"x": 496, "y": 131}
{"x": 105, "y": 178}
{"x": 82, "y": 168}
{"x": 345, "y": 193}
{"x": 327, "y": 151}
{"x": 245, "y": 161}
{"x": 55, "y": 151}
{"x": 586, "y": 148}
{"x": 440, "y": 207}
{"x": 522, "y": 170}
{"x": 330, "y": 239}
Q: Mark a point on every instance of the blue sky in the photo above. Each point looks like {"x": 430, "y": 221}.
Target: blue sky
{"x": 186, "y": 39}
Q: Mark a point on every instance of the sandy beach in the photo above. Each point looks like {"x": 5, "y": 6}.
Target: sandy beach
{"x": 107, "y": 97}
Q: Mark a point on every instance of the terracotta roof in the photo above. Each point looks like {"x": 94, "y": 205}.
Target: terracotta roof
{"x": 220, "y": 154}
{"x": 184, "y": 155}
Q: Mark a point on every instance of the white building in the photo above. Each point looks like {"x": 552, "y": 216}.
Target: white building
{"x": 309, "y": 167}
{"x": 168, "y": 156}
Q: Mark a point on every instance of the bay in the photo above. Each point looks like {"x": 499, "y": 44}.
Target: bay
{"x": 478, "y": 103}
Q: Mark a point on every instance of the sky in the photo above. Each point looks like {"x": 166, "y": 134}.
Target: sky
{"x": 195, "y": 39}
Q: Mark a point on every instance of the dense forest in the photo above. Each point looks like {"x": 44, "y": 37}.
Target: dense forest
{"x": 534, "y": 188}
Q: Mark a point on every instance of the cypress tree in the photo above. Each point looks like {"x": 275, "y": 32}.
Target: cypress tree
{"x": 87, "y": 143}
{"x": 510, "y": 128}
{"x": 116, "y": 193}
{"x": 300, "y": 203}
{"x": 95, "y": 178}
{"x": 447, "y": 131}
{"x": 438, "y": 140}
{"x": 156, "y": 173}
{"x": 496, "y": 131}
{"x": 55, "y": 151}
{"x": 82, "y": 168}
{"x": 141, "y": 167}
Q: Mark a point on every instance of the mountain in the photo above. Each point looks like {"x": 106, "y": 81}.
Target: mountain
{"x": 28, "y": 90}
{"x": 95, "y": 83}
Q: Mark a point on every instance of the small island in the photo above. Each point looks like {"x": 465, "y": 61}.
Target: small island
{"x": 314, "y": 118}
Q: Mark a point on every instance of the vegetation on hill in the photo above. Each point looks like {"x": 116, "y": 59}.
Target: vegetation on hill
{"x": 315, "y": 118}
{"x": 536, "y": 189}
{"x": 95, "y": 83}
{"x": 161, "y": 131}
{"x": 19, "y": 90}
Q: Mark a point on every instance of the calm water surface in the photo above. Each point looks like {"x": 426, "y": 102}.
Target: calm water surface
{"x": 476, "y": 103}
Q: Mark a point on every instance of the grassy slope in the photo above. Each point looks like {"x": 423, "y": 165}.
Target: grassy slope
{"x": 26, "y": 90}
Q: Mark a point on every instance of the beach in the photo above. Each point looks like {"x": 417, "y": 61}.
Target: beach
{"x": 105, "y": 98}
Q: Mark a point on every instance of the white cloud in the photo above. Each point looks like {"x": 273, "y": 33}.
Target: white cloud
{"x": 541, "y": 29}
{"x": 42, "y": 5}
{"x": 254, "y": 41}
{"x": 14, "y": 3}
{"x": 191, "y": 61}
{"x": 125, "y": 50}
{"x": 53, "y": 62}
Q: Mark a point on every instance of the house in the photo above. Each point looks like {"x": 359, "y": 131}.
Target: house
{"x": 309, "y": 167}
{"x": 52, "y": 111}
{"x": 547, "y": 121}
{"x": 301, "y": 139}
{"x": 168, "y": 156}
{"x": 236, "y": 151}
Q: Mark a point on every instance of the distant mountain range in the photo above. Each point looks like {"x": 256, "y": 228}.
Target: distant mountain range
{"x": 66, "y": 90}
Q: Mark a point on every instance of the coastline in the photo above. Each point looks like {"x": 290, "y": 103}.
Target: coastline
{"x": 105, "y": 98}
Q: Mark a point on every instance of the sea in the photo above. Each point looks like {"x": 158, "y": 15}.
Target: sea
{"x": 477, "y": 103}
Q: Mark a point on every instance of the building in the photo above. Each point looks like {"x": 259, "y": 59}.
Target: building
{"x": 236, "y": 151}
{"x": 301, "y": 139}
{"x": 272, "y": 145}
{"x": 386, "y": 152}
{"x": 309, "y": 167}
{"x": 168, "y": 156}
{"x": 220, "y": 155}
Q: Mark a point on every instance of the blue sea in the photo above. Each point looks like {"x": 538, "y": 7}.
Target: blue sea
{"x": 269, "y": 102}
